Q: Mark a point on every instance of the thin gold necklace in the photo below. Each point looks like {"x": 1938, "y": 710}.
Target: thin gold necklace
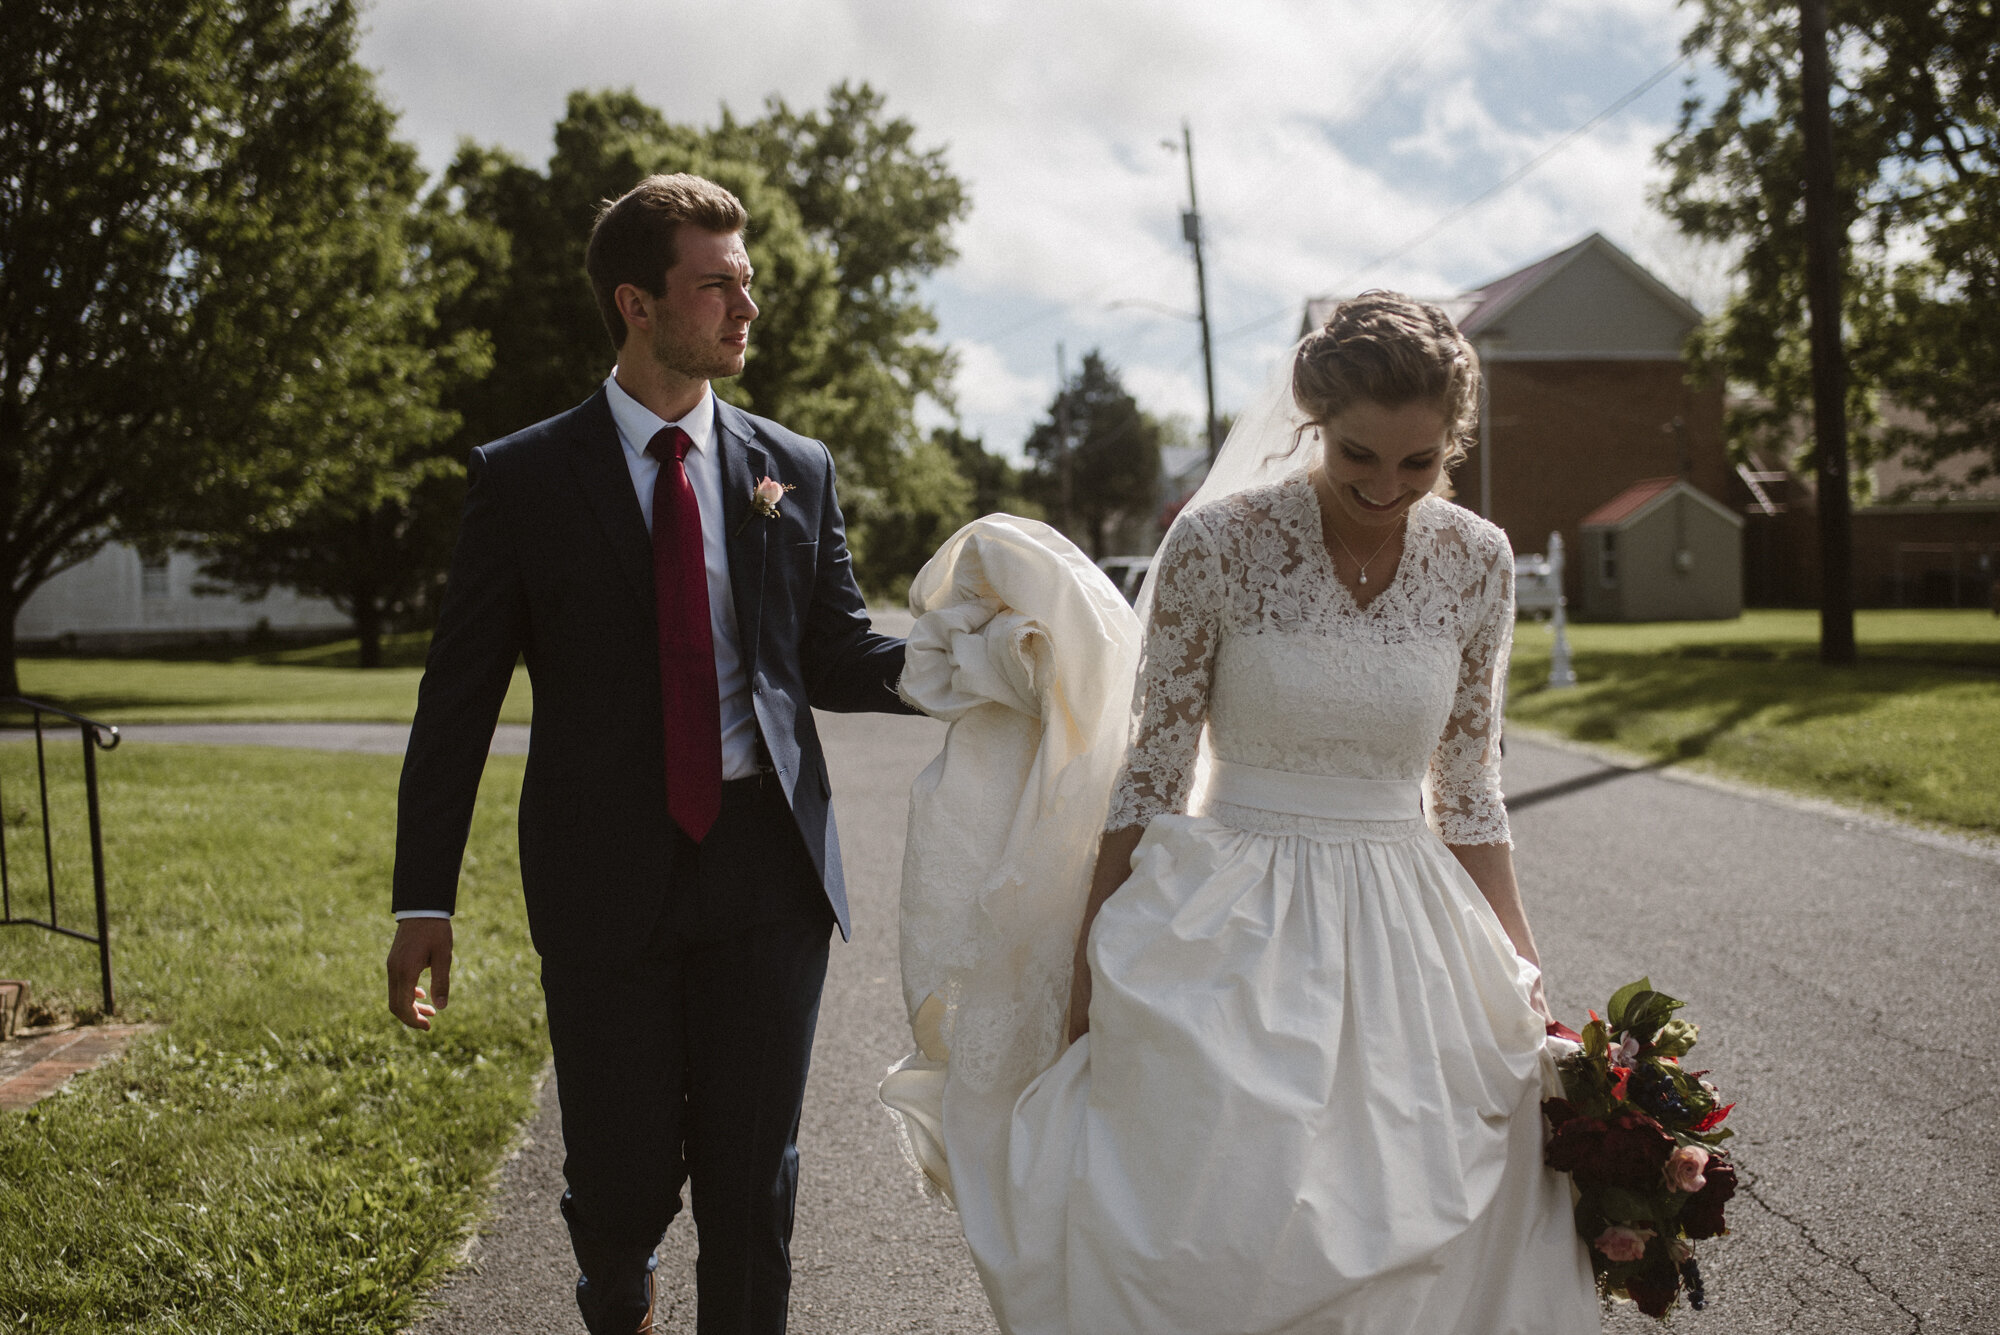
{"x": 1350, "y": 551}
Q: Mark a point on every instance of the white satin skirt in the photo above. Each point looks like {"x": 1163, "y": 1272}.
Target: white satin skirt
{"x": 1308, "y": 1100}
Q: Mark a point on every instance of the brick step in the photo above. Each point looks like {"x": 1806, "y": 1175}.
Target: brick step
{"x": 34, "y": 1067}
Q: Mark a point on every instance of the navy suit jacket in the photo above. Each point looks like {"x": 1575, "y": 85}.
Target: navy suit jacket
{"x": 554, "y": 564}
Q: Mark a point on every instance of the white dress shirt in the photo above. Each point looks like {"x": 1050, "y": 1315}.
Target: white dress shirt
{"x": 637, "y": 425}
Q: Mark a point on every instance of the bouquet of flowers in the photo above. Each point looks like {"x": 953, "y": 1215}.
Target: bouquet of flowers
{"x": 1640, "y": 1136}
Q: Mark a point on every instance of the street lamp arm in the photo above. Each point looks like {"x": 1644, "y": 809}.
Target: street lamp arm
{"x": 1160, "y": 307}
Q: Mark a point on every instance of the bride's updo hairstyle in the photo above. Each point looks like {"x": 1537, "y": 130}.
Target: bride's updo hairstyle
{"x": 1386, "y": 348}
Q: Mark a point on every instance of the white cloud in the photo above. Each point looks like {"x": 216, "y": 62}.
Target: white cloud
{"x": 1326, "y": 135}
{"x": 989, "y": 389}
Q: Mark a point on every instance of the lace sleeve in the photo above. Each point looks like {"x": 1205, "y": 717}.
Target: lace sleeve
{"x": 1465, "y": 769}
{"x": 1170, "y": 702}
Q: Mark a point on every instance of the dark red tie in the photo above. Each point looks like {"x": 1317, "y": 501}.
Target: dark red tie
{"x": 689, "y": 701}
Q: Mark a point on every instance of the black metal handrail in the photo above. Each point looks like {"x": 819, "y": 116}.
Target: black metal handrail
{"x": 96, "y": 736}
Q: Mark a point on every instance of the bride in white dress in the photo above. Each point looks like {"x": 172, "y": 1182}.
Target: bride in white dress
{"x": 1310, "y": 1046}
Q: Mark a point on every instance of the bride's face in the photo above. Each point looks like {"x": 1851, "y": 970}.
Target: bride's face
{"x": 1380, "y": 461}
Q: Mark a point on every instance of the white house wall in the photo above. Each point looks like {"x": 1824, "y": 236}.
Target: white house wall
{"x": 107, "y": 601}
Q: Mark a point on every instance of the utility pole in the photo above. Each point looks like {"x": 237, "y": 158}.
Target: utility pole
{"x": 1065, "y": 468}
{"x": 1825, "y": 245}
{"x": 1191, "y": 232}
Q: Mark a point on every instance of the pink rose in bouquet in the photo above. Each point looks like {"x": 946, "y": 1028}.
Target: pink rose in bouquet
{"x": 1622, "y": 1244}
{"x": 1684, "y": 1167}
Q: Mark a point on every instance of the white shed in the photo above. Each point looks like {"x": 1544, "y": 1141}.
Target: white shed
{"x": 1662, "y": 550}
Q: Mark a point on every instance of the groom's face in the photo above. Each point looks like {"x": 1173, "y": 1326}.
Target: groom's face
{"x": 701, "y": 319}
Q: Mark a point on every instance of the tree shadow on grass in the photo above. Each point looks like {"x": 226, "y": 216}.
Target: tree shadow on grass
{"x": 1716, "y": 696}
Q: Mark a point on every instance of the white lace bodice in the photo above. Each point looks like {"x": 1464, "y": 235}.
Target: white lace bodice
{"x": 1254, "y": 637}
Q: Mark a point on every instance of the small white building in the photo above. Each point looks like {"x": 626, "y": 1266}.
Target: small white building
{"x": 120, "y": 601}
{"x": 1662, "y": 550}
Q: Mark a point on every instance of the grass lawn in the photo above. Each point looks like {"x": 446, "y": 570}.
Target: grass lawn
{"x": 320, "y": 683}
{"x": 1913, "y": 730}
{"x": 281, "y": 1155}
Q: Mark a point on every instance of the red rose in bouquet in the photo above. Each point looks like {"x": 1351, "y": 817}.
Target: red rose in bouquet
{"x": 1641, "y": 1139}
{"x": 1701, "y": 1217}
{"x": 1627, "y": 1149}
{"x": 1655, "y": 1285}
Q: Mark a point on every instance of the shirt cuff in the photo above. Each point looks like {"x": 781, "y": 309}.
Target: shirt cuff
{"x": 422, "y": 913}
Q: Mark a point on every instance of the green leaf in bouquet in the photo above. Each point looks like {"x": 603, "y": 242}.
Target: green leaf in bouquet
{"x": 1636, "y": 1208}
{"x": 1590, "y": 1221}
{"x": 1614, "y": 1014}
{"x": 1675, "y": 1038}
{"x": 1595, "y": 1042}
{"x": 1648, "y": 1012}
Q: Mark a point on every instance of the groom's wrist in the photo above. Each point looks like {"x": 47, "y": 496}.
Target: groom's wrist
{"x": 422, "y": 913}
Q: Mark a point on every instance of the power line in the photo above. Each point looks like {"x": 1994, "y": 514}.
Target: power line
{"x": 1520, "y": 173}
{"x": 1506, "y": 183}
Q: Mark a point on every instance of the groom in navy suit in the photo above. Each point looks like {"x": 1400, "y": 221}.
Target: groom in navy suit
{"x": 676, "y": 575}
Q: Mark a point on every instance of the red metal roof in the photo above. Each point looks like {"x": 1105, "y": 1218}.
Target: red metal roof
{"x": 1626, "y": 503}
{"x": 1494, "y": 296}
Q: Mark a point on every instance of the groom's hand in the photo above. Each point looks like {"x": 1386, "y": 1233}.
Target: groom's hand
{"x": 420, "y": 944}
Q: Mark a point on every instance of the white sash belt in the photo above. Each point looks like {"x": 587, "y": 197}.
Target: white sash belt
{"x": 1325, "y": 796}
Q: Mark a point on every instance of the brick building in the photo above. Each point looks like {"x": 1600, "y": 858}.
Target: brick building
{"x": 1920, "y": 539}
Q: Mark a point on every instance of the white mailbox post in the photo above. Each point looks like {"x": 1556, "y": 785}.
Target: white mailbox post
{"x": 1560, "y": 671}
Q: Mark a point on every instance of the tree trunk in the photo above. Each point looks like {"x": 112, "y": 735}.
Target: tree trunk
{"x": 10, "y": 674}
{"x": 1825, "y": 251}
{"x": 368, "y": 629}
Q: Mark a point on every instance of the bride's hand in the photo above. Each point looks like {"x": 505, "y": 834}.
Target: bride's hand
{"x": 1539, "y": 999}
{"x": 1079, "y": 997}
{"x": 1114, "y": 864}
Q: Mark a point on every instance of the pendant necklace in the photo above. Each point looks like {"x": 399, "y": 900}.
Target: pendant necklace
{"x": 1350, "y": 551}
{"x": 1371, "y": 556}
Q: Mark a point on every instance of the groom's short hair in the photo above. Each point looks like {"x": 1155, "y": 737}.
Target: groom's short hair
{"x": 633, "y": 238}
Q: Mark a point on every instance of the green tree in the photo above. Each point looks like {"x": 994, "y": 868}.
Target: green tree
{"x": 997, "y": 485}
{"x": 1115, "y": 455}
{"x": 177, "y": 182}
{"x": 924, "y": 502}
{"x": 846, "y": 215}
{"x": 353, "y": 499}
{"x": 1916, "y": 130}
{"x": 883, "y": 209}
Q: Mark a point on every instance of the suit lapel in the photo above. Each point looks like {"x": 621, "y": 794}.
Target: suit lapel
{"x": 744, "y": 464}
{"x": 598, "y": 460}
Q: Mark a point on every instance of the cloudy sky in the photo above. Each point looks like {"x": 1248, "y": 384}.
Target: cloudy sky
{"x": 1337, "y": 143}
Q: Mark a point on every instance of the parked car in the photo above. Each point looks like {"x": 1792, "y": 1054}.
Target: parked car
{"x": 1127, "y": 572}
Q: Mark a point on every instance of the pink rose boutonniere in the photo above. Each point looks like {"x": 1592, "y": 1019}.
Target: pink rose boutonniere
{"x": 764, "y": 498}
